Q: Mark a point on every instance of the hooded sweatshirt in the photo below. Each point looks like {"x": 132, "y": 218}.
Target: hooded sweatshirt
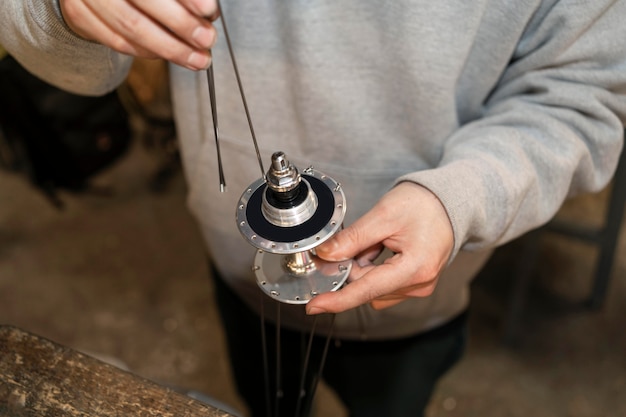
{"x": 501, "y": 108}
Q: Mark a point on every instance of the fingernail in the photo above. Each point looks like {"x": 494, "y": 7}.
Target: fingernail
{"x": 203, "y": 36}
{"x": 197, "y": 60}
{"x": 311, "y": 311}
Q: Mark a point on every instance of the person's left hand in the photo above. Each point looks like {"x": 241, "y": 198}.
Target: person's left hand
{"x": 411, "y": 222}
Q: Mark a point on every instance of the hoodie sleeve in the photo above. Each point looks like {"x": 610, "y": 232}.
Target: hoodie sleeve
{"x": 553, "y": 127}
{"x": 34, "y": 33}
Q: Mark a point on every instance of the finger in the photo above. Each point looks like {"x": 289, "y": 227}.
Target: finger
{"x": 363, "y": 263}
{"x": 418, "y": 290}
{"x": 357, "y": 271}
{"x": 86, "y": 24}
{"x": 349, "y": 242}
{"x": 135, "y": 28}
{"x": 379, "y": 281}
{"x": 369, "y": 255}
{"x": 383, "y": 304}
{"x": 399, "y": 276}
{"x": 194, "y": 30}
{"x": 356, "y": 293}
{"x": 359, "y": 292}
{"x": 423, "y": 289}
{"x": 76, "y": 15}
{"x": 206, "y": 8}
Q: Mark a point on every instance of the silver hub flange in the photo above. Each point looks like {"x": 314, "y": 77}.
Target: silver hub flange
{"x": 291, "y": 282}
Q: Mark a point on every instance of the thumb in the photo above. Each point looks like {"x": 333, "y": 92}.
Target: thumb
{"x": 351, "y": 241}
{"x": 336, "y": 248}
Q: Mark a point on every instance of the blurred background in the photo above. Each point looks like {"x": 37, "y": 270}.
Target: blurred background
{"x": 113, "y": 265}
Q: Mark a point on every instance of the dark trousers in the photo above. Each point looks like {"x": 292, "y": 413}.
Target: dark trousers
{"x": 391, "y": 378}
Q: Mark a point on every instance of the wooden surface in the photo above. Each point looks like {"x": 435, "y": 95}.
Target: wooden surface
{"x": 41, "y": 378}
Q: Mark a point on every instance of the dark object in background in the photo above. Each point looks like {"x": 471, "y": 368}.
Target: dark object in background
{"x": 147, "y": 97}
{"x": 57, "y": 139}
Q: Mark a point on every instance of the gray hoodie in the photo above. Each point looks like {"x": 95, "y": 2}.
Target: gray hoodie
{"x": 502, "y": 108}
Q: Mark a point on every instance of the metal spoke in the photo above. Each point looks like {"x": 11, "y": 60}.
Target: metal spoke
{"x": 303, "y": 394}
{"x": 240, "y": 85}
{"x": 317, "y": 376}
{"x": 211, "y": 81}
{"x": 266, "y": 368}
{"x": 301, "y": 391}
{"x": 279, "y": 389}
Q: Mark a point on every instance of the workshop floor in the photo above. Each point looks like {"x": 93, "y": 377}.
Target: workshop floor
{"x": 123, "y": 277}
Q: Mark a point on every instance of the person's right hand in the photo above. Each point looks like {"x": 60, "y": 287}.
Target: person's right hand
{"x": 175, "y": 30}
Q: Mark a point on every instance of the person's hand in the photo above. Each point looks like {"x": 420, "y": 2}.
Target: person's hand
{"x": 411, "y": 222}
{"x": 175, "y": 30}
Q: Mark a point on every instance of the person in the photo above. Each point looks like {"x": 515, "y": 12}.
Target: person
{"x": 452, "y": 127}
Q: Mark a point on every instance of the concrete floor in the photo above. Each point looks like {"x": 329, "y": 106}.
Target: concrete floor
{"x": 124, "y": 277}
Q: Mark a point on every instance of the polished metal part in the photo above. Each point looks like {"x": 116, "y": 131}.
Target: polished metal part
{"x": 299, "y": 277}
{"x": 297, "y": 205}
{"x": 290, "y": 216}
{"x": 282, "y": 176}
{"x": 212, "y": 100}
{"x": 288, "y": 270}
{"x": 306, "y": 243}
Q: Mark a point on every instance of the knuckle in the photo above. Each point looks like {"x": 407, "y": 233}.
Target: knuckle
{"x": 350, "y": 235}
{"x": 371, "y": 294}
{"x": 202, "y": 7}
{"x": 132, "y": 24}
{"x": 428, "y": 272}
{"x": 170, "y": 54}
{"x": 424, "y": 285}
{"x": 120, "y": 44}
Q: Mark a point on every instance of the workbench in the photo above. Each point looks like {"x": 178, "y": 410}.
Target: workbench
{"x": 41, "y": 378}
